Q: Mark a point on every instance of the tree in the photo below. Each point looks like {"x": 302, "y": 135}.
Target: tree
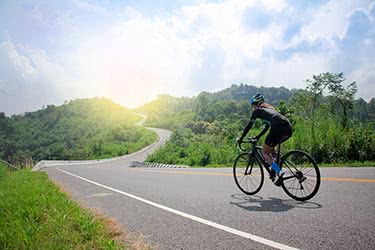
{"x": 313, "y": 96}
{"x": 201, "y": 106}
{"x": 286, "y": 111}
{"x": 342, "y": 96}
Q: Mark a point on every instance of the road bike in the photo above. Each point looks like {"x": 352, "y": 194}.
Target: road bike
{"x": 301, "y": 178}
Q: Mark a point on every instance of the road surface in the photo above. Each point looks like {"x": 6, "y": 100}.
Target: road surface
{"x": 198, "y": 208}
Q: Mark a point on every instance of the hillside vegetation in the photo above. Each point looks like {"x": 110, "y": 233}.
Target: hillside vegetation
{"x": 80, "y": 129}
{"x": 333, "y": 127}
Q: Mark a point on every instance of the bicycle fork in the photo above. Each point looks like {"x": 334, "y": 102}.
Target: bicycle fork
{"x": 250, "y": 164}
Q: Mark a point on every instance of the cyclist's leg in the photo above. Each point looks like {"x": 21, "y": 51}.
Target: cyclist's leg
{"x": 270, "y": 143}
{"x": 286, "y": 134}
{"x": 267, "y": 153}
{"x": 272, "y": 140}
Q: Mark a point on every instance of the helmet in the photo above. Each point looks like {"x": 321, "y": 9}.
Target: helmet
{"x": 258, "y": 98}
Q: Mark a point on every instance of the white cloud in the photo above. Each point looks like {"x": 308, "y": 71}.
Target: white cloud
{"x": 142, "y": 57}
{"x": 135, "y": 61}
{"x": 365, "y": 79}
{"x": 330, "y": 20}
{"x": 13, "y": 63}
{"x": 139, "y": 57}
{"x": 28, "y": 79}
{"x": 293, "y": 72}
{"x": 206, "y": 46}
{"x": 89, "y": 6}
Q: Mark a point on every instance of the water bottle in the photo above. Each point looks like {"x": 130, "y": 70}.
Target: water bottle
{"x": 275, "y": 167}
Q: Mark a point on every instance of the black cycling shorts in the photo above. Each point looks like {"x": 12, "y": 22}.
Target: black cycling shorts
{"x": 278, "y": 134}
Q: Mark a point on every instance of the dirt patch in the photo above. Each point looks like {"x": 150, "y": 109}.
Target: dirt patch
{"x": 132, "y": 241}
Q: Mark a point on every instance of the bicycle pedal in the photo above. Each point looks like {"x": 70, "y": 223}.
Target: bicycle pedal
{"x": 279, "y": 180}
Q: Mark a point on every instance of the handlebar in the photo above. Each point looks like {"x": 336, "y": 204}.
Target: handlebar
{"x": 249, "y": 140}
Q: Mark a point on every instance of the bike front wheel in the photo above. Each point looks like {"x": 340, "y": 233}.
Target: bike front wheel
{"x": 248, "y": 174}
{"x": 301, "y": 179}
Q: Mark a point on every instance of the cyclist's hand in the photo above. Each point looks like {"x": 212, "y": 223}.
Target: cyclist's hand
{"x": 238, "y": 140}
{"x": 253, "y": 140}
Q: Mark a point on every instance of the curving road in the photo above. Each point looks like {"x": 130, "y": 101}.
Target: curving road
{"x": 201, "y": 208}
{"x": 140, "y": 155}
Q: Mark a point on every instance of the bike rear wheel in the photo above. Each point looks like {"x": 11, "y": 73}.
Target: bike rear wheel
{"x": 248, "y": 173}
{"x": 301, "y": 179}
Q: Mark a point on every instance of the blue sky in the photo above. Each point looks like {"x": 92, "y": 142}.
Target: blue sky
{"x": 132, "y": 51}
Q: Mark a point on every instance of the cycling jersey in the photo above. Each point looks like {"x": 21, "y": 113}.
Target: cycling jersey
{"x": 281, "y": 129}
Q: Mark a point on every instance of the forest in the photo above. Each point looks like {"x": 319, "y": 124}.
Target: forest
{"x": 328, "y": 122}
{"x": 80, "y": 129}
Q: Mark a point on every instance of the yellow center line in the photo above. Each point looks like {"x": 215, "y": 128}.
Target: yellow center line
{"x": 230, "y": 174}
{"x": 347, "y": 179}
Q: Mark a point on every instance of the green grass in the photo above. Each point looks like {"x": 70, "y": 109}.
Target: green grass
{"x": 336, "y": 165}
{"x": 349, "y": 164}
{"x": 34, "y": 214}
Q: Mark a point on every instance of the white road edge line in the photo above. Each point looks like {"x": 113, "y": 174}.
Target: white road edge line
{"x": 191, "y": 217}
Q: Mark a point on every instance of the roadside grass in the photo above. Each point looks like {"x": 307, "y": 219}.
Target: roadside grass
{"x": 349, "y": 164}
{"x": 34, "y": 214}
{"x": 335, "y": 165}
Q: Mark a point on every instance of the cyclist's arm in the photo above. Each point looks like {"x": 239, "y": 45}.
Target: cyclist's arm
{"x": 263, "y": 131}
{"x": 246, "y": 129}
{"x": 249, "y": 125}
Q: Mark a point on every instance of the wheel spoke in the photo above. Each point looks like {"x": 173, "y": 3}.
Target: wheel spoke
{"x": 311, "y": 185}
{"x": 291, "y": 165}
{"x": 308, "y": 175}
{"x": 305, "y": 187}
{"x": 308, "y": 171}
{"x": 248, "y": 174}
{"x": 307, "y": 178}
{"x": 294, "y": 183}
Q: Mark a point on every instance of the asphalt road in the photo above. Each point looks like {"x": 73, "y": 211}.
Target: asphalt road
{"x": 197, "y": 208}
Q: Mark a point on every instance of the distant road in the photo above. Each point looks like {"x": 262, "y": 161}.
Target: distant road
{"x": 140, "y": 155}
{"x": 201, "y": 208}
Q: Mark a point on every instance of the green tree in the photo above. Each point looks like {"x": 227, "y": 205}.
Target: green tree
{"x": 342, "y": 96}
{"x": 312, "y": 98}
{"x": 284, "y": 109}
{"x": 201, "y": 106}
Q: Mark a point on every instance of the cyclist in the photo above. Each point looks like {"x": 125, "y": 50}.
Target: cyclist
{"x": 281, "y": 130}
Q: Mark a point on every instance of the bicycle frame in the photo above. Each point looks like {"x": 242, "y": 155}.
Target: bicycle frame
{"x": 256, "y": 151}
{"x": 293, "y": 163}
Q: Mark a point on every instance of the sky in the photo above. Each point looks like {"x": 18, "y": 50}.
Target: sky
{"x": 133, "y": 51}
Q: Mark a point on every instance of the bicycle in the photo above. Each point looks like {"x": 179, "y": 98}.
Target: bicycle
{"x": 301, "y": 178}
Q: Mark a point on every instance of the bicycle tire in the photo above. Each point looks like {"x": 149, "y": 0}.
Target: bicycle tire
{"x": 303, "y": 173}
{"x": 248, "y": 183}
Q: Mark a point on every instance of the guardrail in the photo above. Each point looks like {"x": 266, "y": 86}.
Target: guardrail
{"x": 52, "y": 163}
{"x": 138, "y": 164}
{"x": 10, "y": 166}
{"x": 41, "y": 165}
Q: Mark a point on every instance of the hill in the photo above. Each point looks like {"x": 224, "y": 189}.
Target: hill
{"x": 243, "y": 92}
{"x": 80, "y": 129}
{"x": 238, "y": 93}
{"x": 206, "y": 126}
